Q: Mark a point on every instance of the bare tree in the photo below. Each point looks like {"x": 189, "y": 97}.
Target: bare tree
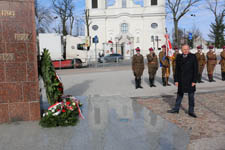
{"x": 71, "y": 20}
{"x": 43, "y": 18}
{"x": 87, "y": 21}
{"x": 180, "y": 39}
{"x": 64, "y": 9}
{"x": 217, "y": 8}
{"x": 178, "y": 9}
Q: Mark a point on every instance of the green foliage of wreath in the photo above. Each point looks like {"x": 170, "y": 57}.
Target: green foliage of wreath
{"x": 51, "y": 82}
{"x": 68, "y": 118}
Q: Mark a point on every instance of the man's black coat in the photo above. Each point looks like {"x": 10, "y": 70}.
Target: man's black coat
{"x": 186, "y": 73}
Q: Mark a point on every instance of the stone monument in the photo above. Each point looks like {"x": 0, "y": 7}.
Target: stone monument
{"x": 19, "y": 89}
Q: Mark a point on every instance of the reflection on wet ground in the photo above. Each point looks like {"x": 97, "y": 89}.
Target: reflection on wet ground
{"x": 112, "y": 123}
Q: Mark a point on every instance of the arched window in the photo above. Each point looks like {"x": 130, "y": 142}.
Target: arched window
{"x": 124, "y": 3}
{"x": 94, "y": 3}
{"x": 138, "y": 40}
{"x": 124, "y": 27}
{"x": 154, "y": 2}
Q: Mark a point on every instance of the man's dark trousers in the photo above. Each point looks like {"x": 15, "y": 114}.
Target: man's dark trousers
{"x": 191, "y": 101}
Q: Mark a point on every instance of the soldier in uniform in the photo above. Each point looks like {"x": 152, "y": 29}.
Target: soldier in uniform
{"x": 152, "y": 66}
{"x": 138, "y": 67}
{"x": 201, "y": 62}
{"x": 211, "y": 63}
{"x": 165, "y": 64}
{"x": 222, "y": 63}
{"x": 174, "y": 60}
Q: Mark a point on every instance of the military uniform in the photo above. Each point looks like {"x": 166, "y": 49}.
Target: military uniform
{"x": 152, "y": 67}
{"x": 222, "y": 63}
{"x": 165, "y": 65}
{"x": 174, "y": 62}
{"x": 211, "y": 63}
{"x": 138, "y": 68}
{"x": 201, "y": 63}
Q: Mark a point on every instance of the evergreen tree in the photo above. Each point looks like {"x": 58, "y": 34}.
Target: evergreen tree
{"x": 217, "y": 31}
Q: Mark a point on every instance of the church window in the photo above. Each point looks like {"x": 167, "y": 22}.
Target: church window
{"x": 154, "y": 2}
{"x": 124, "y": 28}
{"x": 124, "y": 3}
{"x": 138, "y": 40}
{"x": 154, "y": 25}
{"x": 94, "y": 3}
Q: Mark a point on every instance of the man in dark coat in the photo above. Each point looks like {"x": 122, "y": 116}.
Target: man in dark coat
{"x": 138, "y": 67}
{"x": 186, "y": 75}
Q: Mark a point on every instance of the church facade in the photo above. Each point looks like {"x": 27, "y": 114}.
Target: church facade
{"x": 123, "y": 25}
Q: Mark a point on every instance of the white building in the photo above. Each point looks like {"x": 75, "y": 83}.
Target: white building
{"x": 124, "y": 25}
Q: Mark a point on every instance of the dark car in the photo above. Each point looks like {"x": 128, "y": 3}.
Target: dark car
{"x": 111, "y": 58}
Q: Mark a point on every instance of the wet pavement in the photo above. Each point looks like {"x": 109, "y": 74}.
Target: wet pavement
{"x": 207, "y": 132}
{"x": 111, "y": 123}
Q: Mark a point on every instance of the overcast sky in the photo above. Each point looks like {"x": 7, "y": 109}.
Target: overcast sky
{"x": 201, "y": 20}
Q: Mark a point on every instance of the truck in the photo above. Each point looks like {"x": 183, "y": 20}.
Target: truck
{"x": 65, "y": 51}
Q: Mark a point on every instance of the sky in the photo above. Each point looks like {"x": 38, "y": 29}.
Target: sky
{"x": 202, "y": 17}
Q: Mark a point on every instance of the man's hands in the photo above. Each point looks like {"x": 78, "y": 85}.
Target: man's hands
{"x": 193, "y": 84}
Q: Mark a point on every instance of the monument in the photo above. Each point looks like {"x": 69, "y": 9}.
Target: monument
{"x": 19, "y": 90}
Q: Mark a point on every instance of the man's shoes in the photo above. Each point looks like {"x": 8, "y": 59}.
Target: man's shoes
{"x": 168, "y": 84}
{"x": 173, "y": 111}
{"x": 192, "y": 114}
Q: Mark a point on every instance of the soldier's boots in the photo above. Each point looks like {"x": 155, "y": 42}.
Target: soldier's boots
{"x": 200, "y": 79}
{"x": 167, "y": 81}
{"x": 153, "y": 79}
{"x": 139, "y": 84}
{"x": 223, "y": 76}
{"x": 151, "y": 82}
{"x": 211, "y": 78}
{"x": 164, "y": 81}
{"x": 136, "y": 83}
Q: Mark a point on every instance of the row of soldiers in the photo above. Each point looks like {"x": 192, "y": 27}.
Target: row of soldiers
{"x": 210, "y": 60}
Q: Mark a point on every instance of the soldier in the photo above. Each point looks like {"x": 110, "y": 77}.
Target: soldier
{"x": 201, "y": 62}
{"x": 152, "y": 66}
{"x": 138, "y": 67}
{"x": 174, "y": 60}
{"x": 211, "y": 63}
{"x": 222, "y": 63}
{"x": 165, "y": 64}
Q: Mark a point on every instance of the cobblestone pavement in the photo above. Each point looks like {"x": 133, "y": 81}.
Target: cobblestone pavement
{"x": 207, "y": 132}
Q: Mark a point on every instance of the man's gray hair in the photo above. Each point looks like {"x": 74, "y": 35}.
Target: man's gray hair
{"x": 184, "y": 45}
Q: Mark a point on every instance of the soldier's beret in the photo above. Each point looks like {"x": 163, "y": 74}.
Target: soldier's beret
{"x": 164, "y": 46}
{"x": 175, "y": 48}
{"x": 211, "y": 47}
{"x": 223, "y": 47}
{"x": 199, "y": 47}
{"x": 150, "y": 49}
{"x": 137, "y": 49}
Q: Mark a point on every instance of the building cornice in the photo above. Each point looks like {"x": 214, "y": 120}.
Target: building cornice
{"x": 128, "y": 15}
